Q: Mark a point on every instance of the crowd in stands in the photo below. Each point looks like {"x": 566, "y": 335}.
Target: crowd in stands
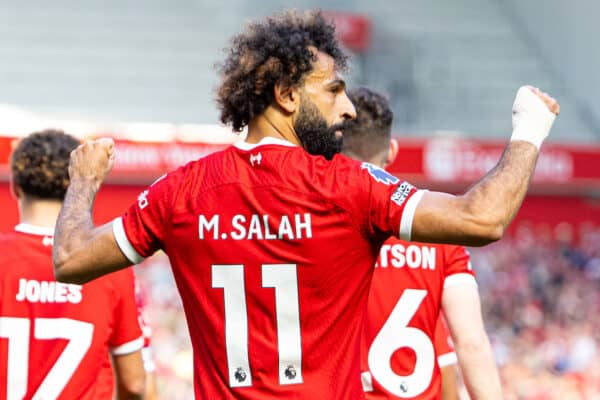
{"x": 541, "y": 302}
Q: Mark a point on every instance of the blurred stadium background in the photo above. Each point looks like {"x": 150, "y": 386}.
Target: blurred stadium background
{"x": 142, "y": 72}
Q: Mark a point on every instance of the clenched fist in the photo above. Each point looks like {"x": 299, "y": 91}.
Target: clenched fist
{"x": 534, "y": 112}
{"x": 92, "y": 161}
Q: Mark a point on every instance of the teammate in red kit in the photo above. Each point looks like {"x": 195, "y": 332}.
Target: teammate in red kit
{"x": 273, "y": 240}
{"x": 55, "y": 338}
{"x": 400, "y": 354}
{"x": 151, "y": 392}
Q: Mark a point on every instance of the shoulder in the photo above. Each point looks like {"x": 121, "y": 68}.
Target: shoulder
{"x": 15, "y": 242}
{"x": 452, "y": 252}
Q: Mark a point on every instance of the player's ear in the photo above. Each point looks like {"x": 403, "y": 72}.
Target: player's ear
{"x": 287, "y": 97}
{"x": 392, "y": 152}
{"x": 15, "y": 190}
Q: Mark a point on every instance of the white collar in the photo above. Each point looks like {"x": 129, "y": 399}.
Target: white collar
{"x": 34, "y": 229}
{"x": 242, "y": 145}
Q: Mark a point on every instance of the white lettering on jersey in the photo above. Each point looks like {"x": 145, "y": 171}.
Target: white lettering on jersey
{"x": 142, "y": 200}
{"x": 34, "y": 291}
{"x": 257, "y": 227}
{"x": 206, "y": 226}
{"x": 285, "y": 228}
{"x": 413, "y": 256}
{"x": 306, "y": 226}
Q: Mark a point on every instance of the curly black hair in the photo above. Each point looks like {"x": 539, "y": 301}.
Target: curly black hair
{"x": 369, "y": 133}
{"x": 274, "y": 50}
{"x": 40, "y": 163}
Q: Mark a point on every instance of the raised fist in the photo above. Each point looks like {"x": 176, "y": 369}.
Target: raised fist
{"x": 533, "y": 115}
{"x": 92, "y": 160}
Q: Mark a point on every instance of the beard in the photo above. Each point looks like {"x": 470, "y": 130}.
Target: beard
{"x": 316, "y": 136}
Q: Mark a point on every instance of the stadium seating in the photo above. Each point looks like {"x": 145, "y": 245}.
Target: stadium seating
{"x": 446, "y": 65}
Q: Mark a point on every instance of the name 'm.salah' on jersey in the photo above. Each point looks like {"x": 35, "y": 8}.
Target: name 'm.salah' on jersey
{"x": 272, "y": 250}
{"x": 55, "y": 337}
{"x": 401, "y": 348}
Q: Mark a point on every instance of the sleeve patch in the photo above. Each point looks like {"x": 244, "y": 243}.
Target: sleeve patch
{"x": 401, "y": 193}
{"x": 380, "y": 175}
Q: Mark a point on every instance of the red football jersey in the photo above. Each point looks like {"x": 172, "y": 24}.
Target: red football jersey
{"x": 55, "y": 337}
{"x": 398, "y": 356}
{"x": 272, "y": 250}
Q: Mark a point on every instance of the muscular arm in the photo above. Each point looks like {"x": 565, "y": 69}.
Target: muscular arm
{"x": 461, "y": 307}
{"x": 82, "y": 251}
{"x": 130, "y": 376}
{"x": 481, "y": 215}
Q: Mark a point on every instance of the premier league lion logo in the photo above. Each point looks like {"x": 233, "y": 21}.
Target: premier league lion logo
{"x": 379, "y": 174}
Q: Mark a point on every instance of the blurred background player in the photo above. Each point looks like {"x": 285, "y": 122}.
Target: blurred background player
{"x": 412, "y": 281}
{"x": 151, "y": 392}
{"x": 56, "y": 338}
{"x": 446, "y": 360}
{"x": 274, "y": 308}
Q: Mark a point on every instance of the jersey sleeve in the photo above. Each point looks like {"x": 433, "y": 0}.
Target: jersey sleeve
{"x": 444, "y": 348}
{"x": 458, "y": 269}
{"x": 140, "y": 231}
{"x": 127, "y": 335}
{"x": 391, "y": 202}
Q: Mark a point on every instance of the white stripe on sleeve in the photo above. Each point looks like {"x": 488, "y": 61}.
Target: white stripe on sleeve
{"x": 124, "y": 244}
{"x": 447, "y": 359}
{"x": 129, "y": 347}
{"x": 460, "y": 279}
{"x": 409, "y": 214}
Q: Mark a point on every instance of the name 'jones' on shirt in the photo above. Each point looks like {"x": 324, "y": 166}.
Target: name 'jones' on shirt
{"x": 256, "y": 227}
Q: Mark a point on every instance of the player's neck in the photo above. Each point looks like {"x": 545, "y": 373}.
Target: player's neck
{"x": 272, "y": 123}
{"x": 39, "y": 212}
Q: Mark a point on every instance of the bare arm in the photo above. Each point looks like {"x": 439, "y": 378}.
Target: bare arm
{"x": 130, "y": 376}
{"x": 151, "y": 386}
{"x": 82, "y": 251}
{"x": 462, "y": 309}
{"x": 483, "y": 213}
{"x": 449, "y": 385}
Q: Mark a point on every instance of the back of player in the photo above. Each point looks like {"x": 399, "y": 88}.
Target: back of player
{"x": 272, "y": 269}
{"x": 401, "y": 350}
{"x": 55, "y": 337}
{"x": 399, "y": 357}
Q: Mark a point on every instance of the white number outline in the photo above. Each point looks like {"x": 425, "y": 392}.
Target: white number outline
{"x": 284, "y": 279}
{"x": 395, "y": 334}
{"x": 17, "y": 331}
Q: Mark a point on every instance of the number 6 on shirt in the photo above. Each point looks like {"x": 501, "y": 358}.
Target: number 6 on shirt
{"x": 396, "y": 334}
{"x": 284, "y": 279}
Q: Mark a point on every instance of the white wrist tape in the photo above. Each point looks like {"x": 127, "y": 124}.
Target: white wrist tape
{"x": 531, "y": 117}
